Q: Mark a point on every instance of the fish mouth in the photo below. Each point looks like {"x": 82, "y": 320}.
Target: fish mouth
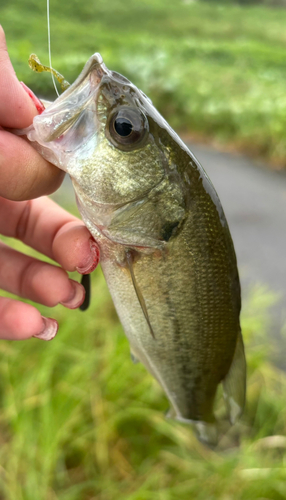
{"x": 70, "y": 123}
{"x": 63, "y": 113}
{"x": 93, "y": 67}
{"x": 70, "y": 111}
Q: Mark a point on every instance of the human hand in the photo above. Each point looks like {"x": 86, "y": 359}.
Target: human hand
{"x": 39, "y": 223}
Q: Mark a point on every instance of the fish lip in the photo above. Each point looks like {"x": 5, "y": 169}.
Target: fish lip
{"x": 49, "y": 127}
{"x": 60, "y": 115}
{"x": 94, "y": 61}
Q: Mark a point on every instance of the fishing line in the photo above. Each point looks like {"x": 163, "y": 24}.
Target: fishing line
{"x": 49, "y": 44}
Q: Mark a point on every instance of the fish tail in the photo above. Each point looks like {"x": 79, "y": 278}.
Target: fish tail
{"x": 206, "y": 432}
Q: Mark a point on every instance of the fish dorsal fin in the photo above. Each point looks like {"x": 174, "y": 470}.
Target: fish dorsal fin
{"x": 140, "y": 297}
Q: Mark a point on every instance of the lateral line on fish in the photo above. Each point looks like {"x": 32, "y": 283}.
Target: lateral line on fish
{"x": 49, "y": 45}
{"x": 138, "y": 292}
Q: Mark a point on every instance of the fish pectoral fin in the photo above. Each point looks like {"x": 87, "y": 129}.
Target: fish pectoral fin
{"x": 234, "y": 384}
{"x": 140, "y": 297}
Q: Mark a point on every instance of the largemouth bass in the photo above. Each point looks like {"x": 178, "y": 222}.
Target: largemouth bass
{"x": 166, "y": 250}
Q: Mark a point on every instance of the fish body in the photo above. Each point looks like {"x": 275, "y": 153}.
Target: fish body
{"x": 166, "y": 250}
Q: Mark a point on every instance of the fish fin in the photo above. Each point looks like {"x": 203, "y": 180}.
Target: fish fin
{"x": 206, "y": 432}
{"x": 170, "y": 413}
{"x": 138, "y": 292}
{"x": 85, "y": 281}
{"x": 133, "y": 358}
{"x": 234, "y": 384}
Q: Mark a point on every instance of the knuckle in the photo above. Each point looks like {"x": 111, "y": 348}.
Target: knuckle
{"x": 42, "y": 282}
{"x": 23, "y": 221}
{"x": 27, "y": 278}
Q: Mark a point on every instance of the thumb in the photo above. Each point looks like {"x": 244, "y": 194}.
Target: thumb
{"x": 17, "y": 109}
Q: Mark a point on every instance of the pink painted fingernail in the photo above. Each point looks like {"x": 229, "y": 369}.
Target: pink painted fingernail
{"x": 76, "y": 297}
{"x": 49, "y": 331}
{"x": 93, "y": 259}
{"x": 40, "y": 107}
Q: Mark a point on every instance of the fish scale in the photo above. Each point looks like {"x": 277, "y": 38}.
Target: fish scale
{"x": 166, "y": 251}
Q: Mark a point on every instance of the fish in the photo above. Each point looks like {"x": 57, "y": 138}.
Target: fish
{"x": 165, "y": 246}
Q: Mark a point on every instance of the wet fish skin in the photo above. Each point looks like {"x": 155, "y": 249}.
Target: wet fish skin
{"x": 192, "y": 295}
{"x": 164, "y": 242}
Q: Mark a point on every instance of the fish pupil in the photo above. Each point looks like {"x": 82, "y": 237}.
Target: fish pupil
{"x": 127, "y": 128}
{"x": 123, "y": 127}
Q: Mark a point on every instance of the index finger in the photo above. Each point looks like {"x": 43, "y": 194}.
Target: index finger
{"x": 17, "y": 109}
{"x": 24, "y": 173}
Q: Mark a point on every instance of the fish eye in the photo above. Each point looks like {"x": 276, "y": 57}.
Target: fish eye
{"x": 123, "y": 126}
{"x": 127, "y": 128}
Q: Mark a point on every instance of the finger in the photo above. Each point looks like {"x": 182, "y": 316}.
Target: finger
{"x": 17, "y": 109}
{"x": 38, "y": 281}
{"x": 73, "y": 251}
{"x": 19, "y": 321}
{"x": 24, "y": 173}
{"x": 43, "y": 225}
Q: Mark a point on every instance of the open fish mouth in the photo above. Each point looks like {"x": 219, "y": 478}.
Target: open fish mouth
{"x": 68, "y": 127}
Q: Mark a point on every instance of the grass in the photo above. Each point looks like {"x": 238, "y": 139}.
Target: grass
{"x": 80, "y": 422}
{"x": 214, "y": 70}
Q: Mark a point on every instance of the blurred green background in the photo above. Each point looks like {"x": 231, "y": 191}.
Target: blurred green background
{"x": 78, "y": 420}
{"x": 215, "y": 70}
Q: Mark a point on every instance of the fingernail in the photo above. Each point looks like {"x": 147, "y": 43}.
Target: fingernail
{"x": 49, "y": 331}
{"x": 93, "y": 259}
{"x": 40, "y": 107}
{"x": 76, "y": 297}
